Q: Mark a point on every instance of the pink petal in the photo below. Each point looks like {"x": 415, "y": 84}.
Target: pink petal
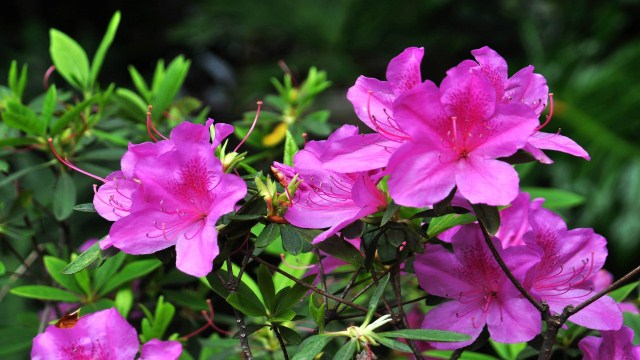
{"x": 513, "y": 320}
{"x": 557, "y": 142}
{"x": 528, "y": 88}
{"x": 487, "y": 181}
{"x": 196, "y": 248}
{"x": 493, "y": 66}
{"x": 403, "y": 72}
{"x": 454, "y": 316}
{"x": 190, "y": 133}
{"x": 421, "y": 116}
{"x": 419, "y": 177}
{"x": 222, "y": 132}
{"x": 436, "y": 273}
{"x": 358, "y": 153}
{"x": 370, "y": 99}
{"x": 506, "y": 132}
{"x": 603, "y": 314}
{"x": 155, "y": 349}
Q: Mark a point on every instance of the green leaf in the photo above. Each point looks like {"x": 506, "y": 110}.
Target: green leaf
{"x": 84, "y": 281}
{"x": 426, "y": 335}
{"x": 269, "y": 234}
{"x": 265, "y": 283}
{"x": 132, "y": 103}
{"x": 124, "y": 301}
{"x": 22, "y": 172}
{"x": 555, "y": 198}
{"x": 42, "y": 292}
{"x": 64, "y": 196}
{"x": 83, "y": 260}
{"x": 633, "y": 321}
{"x": 346, "y": 351}
{"x": 21, "y": 117}
{"x": 291, "y": 296}
{"x": 247, "y": 302}
{"x": 17, "y": 83}
{"x": 139, "y": 83}
{"x": 131, "y": 271}
{"x": 290, "y": 148}
{"x": 295, "y": 240}
{"x": 49, "y": 106}
{"x": 446, "y": 222}
{"x": 154, "y": 327}
{"x": 98, "y": 58}
{"x": 70, "y": 59}
{"x": 375, "y": 298}
{"x": 54, "y": 267}
{"x": 289, "y": 335}
{"x": 2, "y": 268}
{"x": 508, "y": 351}
{"x": 300, "y": 261}
{"x": 88, "y": 207}
{"x": 389, "y": 212}
{"x": 107, "y": 269}
{"x": 393, "y": 344}
{"x": 14, "y": 339}
{"x": 341, "y": 249}
{"x": 467, "y": 355}
{"x": 489, "y": 216}
{"x": 70, "y": 114}
{"x": 311, "y": 346}
{"x": 620, "y": 294}
{"x": 169, "y": 86}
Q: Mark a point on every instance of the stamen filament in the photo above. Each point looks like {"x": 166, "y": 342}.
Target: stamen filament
{"x": 550, "y": 113}
{"x": 255, "y": 121}
{"x": 70, "y": 165}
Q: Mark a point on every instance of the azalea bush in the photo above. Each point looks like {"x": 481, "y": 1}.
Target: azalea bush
{"x": 409, "y": 236}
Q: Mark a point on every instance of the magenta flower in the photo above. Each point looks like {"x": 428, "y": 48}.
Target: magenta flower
{"x": 372, "y": 101}
{"x": 612, "y": 345}
{"x": 104, "y": 335}
{"x": 182, "y": 195}
{"x": 326, "y": 198}
{"x": 480, "y": 292}
{"x": 569, "y": 261}
{"x": 457, "y": 133}
{"x": 528, "y": 88}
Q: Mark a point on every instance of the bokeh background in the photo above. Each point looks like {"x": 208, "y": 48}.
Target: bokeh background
{"x": 589, "y": 51}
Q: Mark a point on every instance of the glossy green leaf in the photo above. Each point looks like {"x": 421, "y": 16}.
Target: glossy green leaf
{"x": 293, "y": 295}
{"x": 555, "y": 198}
{"x": 129, "y": 272}
{"x": 393, "y": 344}
{"x": 98, "y": 58}
{"x": 71, "y": 114}
{"x": 17, "y": 83}
{"x": 84, "y": 281}
{"x": 265, "y": 283}
{"x": 467, "y": 355}
{"x": 54, "y": 267}
{"x": 83, "y": 260}
{"x": 154, "y": 327}
{"x": 296, "y": 240}
{"x": 107, "y": 269}
{"x": 69, "y": 59}
{"x": 42, "y": 292}
{"x": 132, "y": 103}
{"x": 489, "y": 216}
{"x": 346, "y": 351}
{"x": 139, "y": 83}
{"x": 508, "y": 351}
{"x": 88, "y": 207}
{"x": 290, "y": 148}
{"x": 390, "y": 211}
{"x": 64, "y": 196}
{"x": 124, "y": 301}
{"x": 446, "y": 222}
{"x": 49, "y": 106}
{"x": 21, "y": 117}
{"x": 341, "y": 249}
{"x": 311, "y": 346}
{"x": 375, "y": 298}
{"x": 621, "y": 293}
{"x": 247, "y": 302}
{"x": 426, "y": 335}
{"x": 633, "y": 321}
{"x": 268, "y": 235}
{"x": 289, "y": 335}
{"x": 166, "y": 91}
{"x": 2, "y": 268}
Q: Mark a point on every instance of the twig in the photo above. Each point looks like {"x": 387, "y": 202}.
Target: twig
{"x": 232, "y": 286}
{"x": 397, "y": 289}
{"x": 323, "y": 278}
{"x": 346, "y": 289}
{"x": 615, "y": 285}
{"x": 281, "y": 341}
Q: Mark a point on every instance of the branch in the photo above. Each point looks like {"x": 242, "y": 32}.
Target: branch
{"x": 281, "y": 341}
{"x": 615, "y": 285}
{"x": 242, "y": 328}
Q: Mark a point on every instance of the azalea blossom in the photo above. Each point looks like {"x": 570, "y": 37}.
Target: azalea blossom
{"x": 528, "y": 88}
{"x": 611, "y": 345}
{"x": 458, "y": 132}
{"x": 480, "y": 293}
{"x": 568, "y": 263}
{"x": 372, "y": 101}
{"x": 327, "y": 198}
{"x": 104, "y": 335}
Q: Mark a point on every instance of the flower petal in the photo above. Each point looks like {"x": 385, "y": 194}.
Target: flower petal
{"x": 487, "y": 181}
{"x": 454, "y": 316}
{"x": 155, "y": 349}
{"x": 403, "y": 72}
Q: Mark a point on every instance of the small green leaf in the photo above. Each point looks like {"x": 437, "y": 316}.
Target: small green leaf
{"x": 390, "y": 211}
{"x": 300, "y": 261}
{"x": 346, "y": 351}
{"x": 375, "y": 298}
{"x": 139, "y": 83}
{"x": 70, "y": 59}
{"x": 292, "y": 295}
{"x": 555, "y": 198}
{"x": 42, "y": 292}
{"x": 489, "y": 216}
{"x": 620, "y": 294}
{"x": 131, "y": 271}
{"x": 64, "y": 196}
{"x": 2, "y": 268}
{"x": 88, "y": 207}
{"x": 247, "y": 302}
{"x": 467, "y": 355}
{"x": 265, "y": 283}
{"x": 107, "y": 269}
{"x": 21, "y": 117}
{"x": 426, "y": 335}
{"x": 633, "y": 321}
{"x": 290, "y": 148}
{"x": 70, "y": 114}
{"x": 54, "y": 267}
{"x": 341, "y": 249}
{"x": 393, "y": 344}
{"x": 165, "y": 90}
{"x": 508, "y": 351}
{"x": 124, "y": 301}
{"x": 83, "y": 260}
{"x": 442, "y": 223}
{"x": 48, "y": 106}
{"x": 84, "y": 281}
{"x": 270, "y": 233}
{"x": 295, "y": 240}
{"x": 311, "y": 346}
{"x": 131, "y": 103}
{"x": 289, "y": 335}
{"x": 98, "y": 58}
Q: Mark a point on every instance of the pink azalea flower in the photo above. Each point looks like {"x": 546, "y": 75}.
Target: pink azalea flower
{"x": 182, "y": 194}
{"x": 457, "y": 133}
{"x": 104, "y": 335}
{"x": 569, "y": 261}
{"x": 480, "y": 292}
{"x": 528, "y": 88}
{"x": 326, "y": 198}
{"x": 372, "y": 101}
{"x": 612, "y": 345}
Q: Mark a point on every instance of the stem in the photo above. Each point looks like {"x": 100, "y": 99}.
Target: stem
{"x": 232, "y": 285}
{"x": 281, "y": 341}
{"x": 395, "y": 283}
{"x": 505, "y": 269}
{"x": 323, "y": 278}
{"x": 609, "y": 288}
{"x": 346, "y": 289}
{"x": 310, "y": 287}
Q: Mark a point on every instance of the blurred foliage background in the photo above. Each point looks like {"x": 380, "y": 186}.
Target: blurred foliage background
{"x": 589, "y": 51}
